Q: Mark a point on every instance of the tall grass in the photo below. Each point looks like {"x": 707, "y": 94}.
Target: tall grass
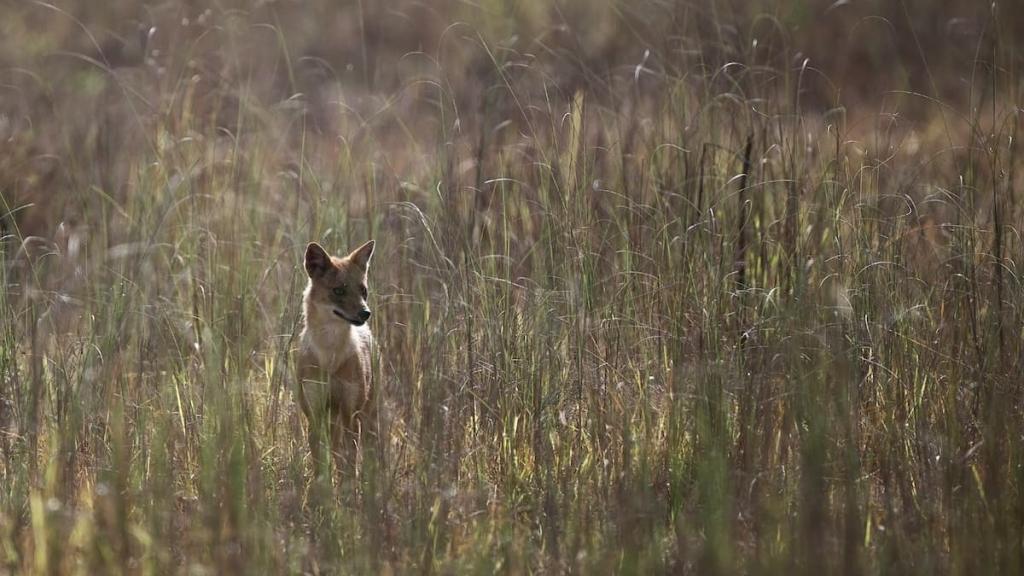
{"x": 663, "y": 317}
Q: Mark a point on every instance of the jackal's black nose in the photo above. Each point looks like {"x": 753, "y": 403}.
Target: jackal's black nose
{"x": 364, "y": 315}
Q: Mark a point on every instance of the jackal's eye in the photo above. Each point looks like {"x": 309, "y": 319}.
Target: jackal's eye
{"x": 362, "y": 291}
{"x": 339, "y": 291}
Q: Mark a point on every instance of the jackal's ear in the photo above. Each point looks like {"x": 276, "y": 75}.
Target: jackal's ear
{"x": 317, "y": 261}
{"x": 361, "y": 256}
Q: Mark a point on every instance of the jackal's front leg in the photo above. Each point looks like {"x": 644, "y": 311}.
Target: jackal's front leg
{"x": 343, "y": 442}
{"x": 312, "y": 400}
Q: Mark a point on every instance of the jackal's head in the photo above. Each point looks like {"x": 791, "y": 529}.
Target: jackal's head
{"x": 339, "y": 284}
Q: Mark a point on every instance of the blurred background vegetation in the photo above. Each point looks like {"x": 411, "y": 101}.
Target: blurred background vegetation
{"x": 661, "y": 286}
{"x": 83, "y": 82}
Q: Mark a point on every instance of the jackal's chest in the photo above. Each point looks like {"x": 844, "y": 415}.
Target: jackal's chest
{"x": 334, "y": 364}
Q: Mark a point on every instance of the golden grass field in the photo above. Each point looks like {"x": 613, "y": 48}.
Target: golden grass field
{"x": 659, "y": 286}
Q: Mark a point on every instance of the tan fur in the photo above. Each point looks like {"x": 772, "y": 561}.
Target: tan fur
{"x": 335, "y": 390}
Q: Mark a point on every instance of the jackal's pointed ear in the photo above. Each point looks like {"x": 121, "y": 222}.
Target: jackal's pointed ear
{"x": 361, "y": 256}
{"x": 317, "y": 261}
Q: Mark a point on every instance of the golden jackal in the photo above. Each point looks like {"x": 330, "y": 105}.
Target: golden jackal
{"x": 333, "y": 359}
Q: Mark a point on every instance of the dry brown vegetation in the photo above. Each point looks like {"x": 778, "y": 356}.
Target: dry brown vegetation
{"x": 660, "y": 286}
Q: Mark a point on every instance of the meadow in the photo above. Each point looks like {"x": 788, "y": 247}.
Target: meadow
{"x": 659, "y": 287}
